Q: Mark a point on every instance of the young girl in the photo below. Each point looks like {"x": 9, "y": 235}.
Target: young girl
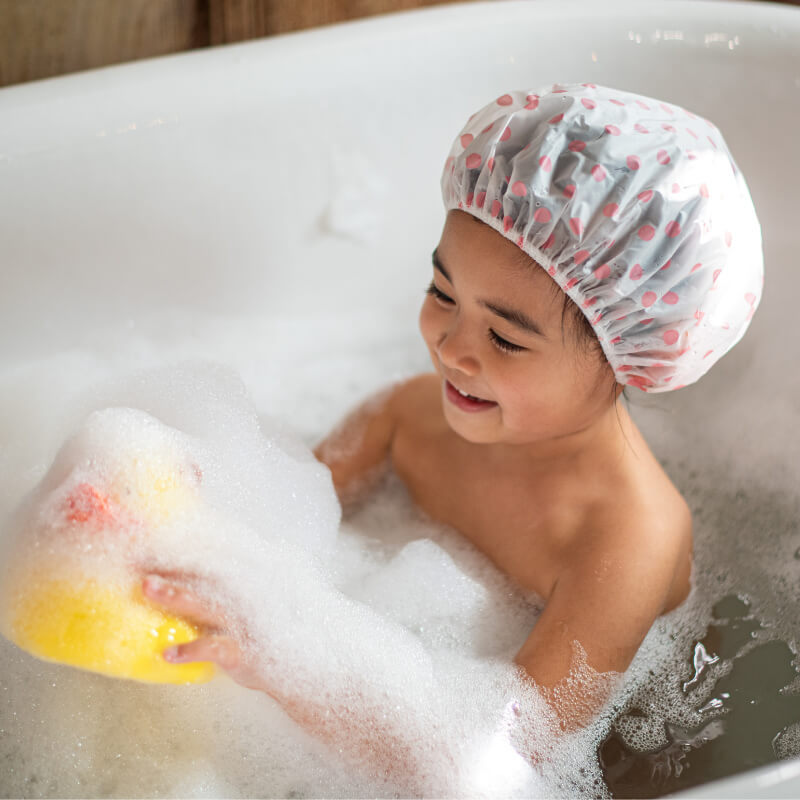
{"x": 594, "y": 239}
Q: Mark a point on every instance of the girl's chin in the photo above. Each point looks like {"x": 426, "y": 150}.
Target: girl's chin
{"x": 471, "y": 430}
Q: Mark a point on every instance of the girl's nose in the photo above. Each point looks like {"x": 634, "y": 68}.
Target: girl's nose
{"x": 455, "y": 350}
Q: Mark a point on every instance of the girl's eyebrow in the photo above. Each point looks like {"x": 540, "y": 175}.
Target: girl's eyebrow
{"x": 513, "y": 315}
{"x": 438, "y": 264}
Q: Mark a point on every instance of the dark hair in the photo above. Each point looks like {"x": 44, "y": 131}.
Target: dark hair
{"x": 585, "y": 338}
{"x": 584, "y": 335}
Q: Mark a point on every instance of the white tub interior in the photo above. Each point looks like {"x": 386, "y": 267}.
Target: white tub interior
{"x": 272, "y": 206}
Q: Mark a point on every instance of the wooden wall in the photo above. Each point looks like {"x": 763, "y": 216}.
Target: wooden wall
{"x": 42, "y": 38}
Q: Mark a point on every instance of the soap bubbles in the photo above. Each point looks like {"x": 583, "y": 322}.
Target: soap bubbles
{"x": 128, "y": 494}
{"x": 172, "y": 471}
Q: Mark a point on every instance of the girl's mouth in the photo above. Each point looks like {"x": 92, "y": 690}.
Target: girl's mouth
{"x": 464, "y": 401}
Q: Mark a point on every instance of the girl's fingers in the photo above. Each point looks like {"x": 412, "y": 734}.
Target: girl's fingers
{"x": 181, "y": 601}
{"x": 216, "y": 648}
{"x": 221, "y": 650}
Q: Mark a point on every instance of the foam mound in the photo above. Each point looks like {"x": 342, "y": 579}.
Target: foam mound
{"x": 127, "y": 495}
{"x": 393, "y": 636}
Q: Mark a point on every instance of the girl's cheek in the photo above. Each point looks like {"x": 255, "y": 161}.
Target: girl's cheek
{"x": 529, "y": 389}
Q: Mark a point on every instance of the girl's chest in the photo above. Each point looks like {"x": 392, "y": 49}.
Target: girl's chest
{"x": 521, "y": 527}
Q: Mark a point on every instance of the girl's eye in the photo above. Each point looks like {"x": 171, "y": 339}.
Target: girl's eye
{"x": 502, "y": 344}
{"x": 434, "y": 291}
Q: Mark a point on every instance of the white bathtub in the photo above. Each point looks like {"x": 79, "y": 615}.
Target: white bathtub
{"x": 226, "y": 182}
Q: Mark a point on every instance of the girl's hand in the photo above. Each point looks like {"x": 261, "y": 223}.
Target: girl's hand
{"x": 216, "y": 643}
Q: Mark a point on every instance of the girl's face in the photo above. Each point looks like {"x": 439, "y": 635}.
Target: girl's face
{"x": 492, "y": 324}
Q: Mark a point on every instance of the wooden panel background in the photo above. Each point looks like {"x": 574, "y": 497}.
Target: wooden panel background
{"x": 235, "y": 20}
{"x": 42, "y": 38}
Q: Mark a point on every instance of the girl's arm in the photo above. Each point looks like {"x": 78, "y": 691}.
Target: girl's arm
{"x": 373, "y": 700}
{"x": 606, "y": 600}
{"x": 355, "y": 451}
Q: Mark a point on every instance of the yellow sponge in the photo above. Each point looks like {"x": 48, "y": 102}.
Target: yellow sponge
{"x": 62, "y": 605}
{"x": 154, "y": 490}
{"x": 103, "y": 628}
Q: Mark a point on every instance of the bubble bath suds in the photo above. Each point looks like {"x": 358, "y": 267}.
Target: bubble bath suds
{"x": 387, "y": 610}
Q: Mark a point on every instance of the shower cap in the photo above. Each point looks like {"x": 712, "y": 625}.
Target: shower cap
{"x": 633, "y": 206}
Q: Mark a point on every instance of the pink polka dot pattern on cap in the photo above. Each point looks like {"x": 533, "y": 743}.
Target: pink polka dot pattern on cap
{"x": 629, "y": 204}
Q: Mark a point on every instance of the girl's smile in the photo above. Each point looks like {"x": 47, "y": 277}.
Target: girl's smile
{"x": 464, "y": 401}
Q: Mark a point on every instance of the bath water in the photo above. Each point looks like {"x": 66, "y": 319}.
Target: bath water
{"x": 711, "y": 691}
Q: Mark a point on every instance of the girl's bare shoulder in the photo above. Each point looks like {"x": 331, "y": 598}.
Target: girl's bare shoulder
{"x": 418, "y": 398}
{"x": 643, "y": 518}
